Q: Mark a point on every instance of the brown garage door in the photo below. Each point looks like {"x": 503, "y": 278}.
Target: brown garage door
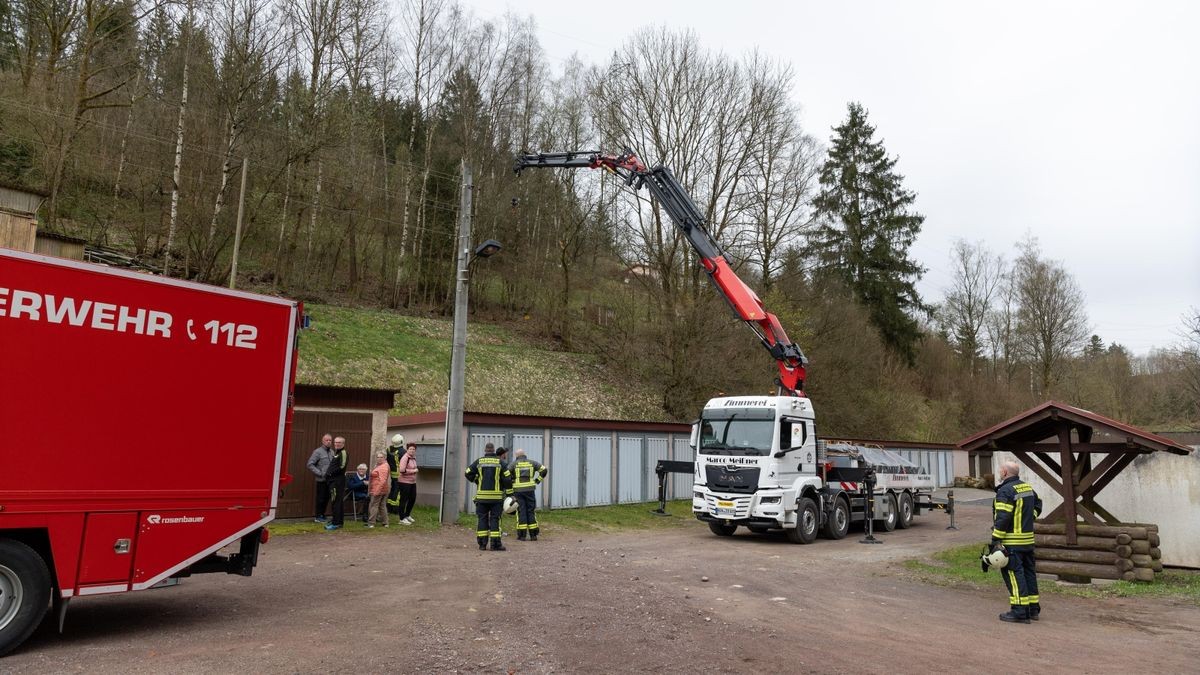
{"x": 307, "y": 429}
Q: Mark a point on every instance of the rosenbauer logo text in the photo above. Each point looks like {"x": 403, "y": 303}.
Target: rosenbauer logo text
{"x": 155, "y": 519}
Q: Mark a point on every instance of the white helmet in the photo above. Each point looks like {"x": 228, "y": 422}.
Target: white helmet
{"x": 398, "y": 440}
{"x": 997, "y": 558}
{"x": 510, "y": 505}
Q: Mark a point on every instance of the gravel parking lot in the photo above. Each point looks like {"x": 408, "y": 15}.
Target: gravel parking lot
{"x": 629, "y": 601}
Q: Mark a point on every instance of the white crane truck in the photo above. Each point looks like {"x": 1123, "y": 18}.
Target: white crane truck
{"x": 760, "y": 465}
{"x": 758, "y": 461}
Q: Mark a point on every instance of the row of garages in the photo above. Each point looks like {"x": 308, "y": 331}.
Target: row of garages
{"x": 599, "y": 462}
{"x": 592, "y": 462}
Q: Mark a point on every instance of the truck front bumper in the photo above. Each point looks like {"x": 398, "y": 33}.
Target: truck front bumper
{"x": 768, "y": 506}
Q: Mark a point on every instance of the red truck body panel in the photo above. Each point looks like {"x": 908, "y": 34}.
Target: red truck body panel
{"x": 144, "y": 420}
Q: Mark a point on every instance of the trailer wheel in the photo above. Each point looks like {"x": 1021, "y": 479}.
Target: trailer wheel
{"x": 24, "y": 593}
{"x": 888, "y": 522}
{"x": 721, "y": 529}
{"x": 839, "y": 520}
{"x": 905, "y": 514}
{"x": 806, "y": 522}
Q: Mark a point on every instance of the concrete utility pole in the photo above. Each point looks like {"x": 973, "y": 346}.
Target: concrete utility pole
{"x": 237, "y": 232}
{"x": 452, "y": 464}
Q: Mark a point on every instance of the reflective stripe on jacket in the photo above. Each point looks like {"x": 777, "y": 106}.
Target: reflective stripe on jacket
{"x": 491, "y": 478}
{"x": 1013, "y": 511}
{"x": 393, "y": 459}
{"x": 527, "y": 474}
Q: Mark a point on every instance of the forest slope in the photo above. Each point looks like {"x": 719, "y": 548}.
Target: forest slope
{"x": 506, "y": 373}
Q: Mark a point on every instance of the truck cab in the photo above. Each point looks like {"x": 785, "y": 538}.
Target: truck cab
{"x": 756, "y": 456}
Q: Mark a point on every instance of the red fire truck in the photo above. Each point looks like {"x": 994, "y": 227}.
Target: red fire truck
{"x": 144, "y": 427}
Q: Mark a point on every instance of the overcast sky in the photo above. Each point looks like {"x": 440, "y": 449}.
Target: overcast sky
{"x": 1076, "y": 121}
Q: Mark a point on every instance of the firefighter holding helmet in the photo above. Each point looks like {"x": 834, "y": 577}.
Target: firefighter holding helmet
{"x": 527, "y": 475}
{"x": 1014, "y": 510}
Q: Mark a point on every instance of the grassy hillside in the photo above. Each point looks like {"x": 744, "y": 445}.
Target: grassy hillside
{"x": 505, "y": 372}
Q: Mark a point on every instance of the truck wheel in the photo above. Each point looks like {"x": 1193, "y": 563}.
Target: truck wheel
{"x": 24, "y": 593}
{"x": 806, "y": 522}
{"x": 839, "y": 520}
{"x": 888, "y": 522}
{"x": 906, "y": 511}
{"x": 721, "y": 529}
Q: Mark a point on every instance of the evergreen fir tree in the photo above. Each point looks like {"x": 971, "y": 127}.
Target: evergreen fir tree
{"x": 866, "y": 228}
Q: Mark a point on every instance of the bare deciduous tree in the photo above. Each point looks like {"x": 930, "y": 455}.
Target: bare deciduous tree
{"x": 977, "y": 276}
{"x": 1052, "y": 322}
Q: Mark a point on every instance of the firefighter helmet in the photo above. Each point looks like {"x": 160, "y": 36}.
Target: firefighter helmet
{"x": 398, "y": 441}
{"x": 993, "y": 558}
{"x": 510, "y": 505}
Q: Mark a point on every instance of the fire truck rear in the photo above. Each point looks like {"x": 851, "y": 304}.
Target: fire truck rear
{"x": 145, "y": 429}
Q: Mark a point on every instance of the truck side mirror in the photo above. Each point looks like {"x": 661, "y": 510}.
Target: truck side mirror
{"x": 694, "y": 441}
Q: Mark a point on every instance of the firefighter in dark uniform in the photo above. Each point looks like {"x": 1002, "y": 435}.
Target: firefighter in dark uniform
{"x": 394, "y": 452}
{"x": 527, "y": 475}
{"x": 1014, "y": 510}
{"x": 492, "y": 479}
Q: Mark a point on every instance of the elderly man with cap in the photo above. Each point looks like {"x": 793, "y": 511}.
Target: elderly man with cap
{"x": 527, "y": 475}
{"x": 492, "y": 479}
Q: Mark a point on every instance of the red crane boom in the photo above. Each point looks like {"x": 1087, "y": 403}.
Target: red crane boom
{"x": 671, "y": 196}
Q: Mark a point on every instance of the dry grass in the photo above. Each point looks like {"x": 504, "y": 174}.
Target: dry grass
{"x": 505, "y": 373}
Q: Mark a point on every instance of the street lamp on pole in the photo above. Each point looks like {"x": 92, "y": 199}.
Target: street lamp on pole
{"x": 452, "y": 463}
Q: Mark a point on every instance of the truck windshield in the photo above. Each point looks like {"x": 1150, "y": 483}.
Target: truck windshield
{"x": 737, "y": 433}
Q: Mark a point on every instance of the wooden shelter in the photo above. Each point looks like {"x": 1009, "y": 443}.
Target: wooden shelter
{"x": 1059, "y": 442}
{"x": 18, "y": 219}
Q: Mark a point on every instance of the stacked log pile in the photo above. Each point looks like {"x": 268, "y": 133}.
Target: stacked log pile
{"x": 1128, "y": 551}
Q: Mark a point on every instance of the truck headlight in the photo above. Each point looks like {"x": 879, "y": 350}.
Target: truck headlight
{"x": 698, "y": 495}
{"x": 769, "y": 500}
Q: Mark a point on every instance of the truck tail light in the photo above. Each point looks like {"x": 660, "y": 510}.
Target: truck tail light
{"x": 264, "y": 536}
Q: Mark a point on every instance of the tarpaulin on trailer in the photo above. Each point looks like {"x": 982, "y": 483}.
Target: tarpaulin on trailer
{"x": 883, "y": 461}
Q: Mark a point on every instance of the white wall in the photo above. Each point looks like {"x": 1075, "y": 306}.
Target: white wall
{"x": 1158, "y": 488}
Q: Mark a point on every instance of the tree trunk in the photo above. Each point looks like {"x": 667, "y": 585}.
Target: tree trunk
{"x": 1084, "y": 570}
{"x": 1072, "y": 555}
{"x": 103, "y": 238}
{"x": 231, "y": 135}
{"x": 172, "y": 226}
{"x": 287, "y": 195}
{"x": 312, "y": 223}
{"x": 1090, "y": 543}
{"x": 1092, "y": 530}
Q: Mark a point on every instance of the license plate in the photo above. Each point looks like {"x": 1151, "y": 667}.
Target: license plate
{"x": 725, "y": 512}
